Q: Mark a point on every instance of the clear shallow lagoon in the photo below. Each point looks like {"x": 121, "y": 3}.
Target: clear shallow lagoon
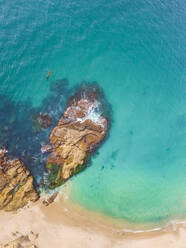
{"x": 136, "y": 51}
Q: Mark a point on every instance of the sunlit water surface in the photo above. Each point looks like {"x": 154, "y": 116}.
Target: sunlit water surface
{"x": 136, "y": 51}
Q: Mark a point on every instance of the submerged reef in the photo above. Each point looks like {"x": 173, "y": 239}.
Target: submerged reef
{"x": 81, "y": 128}
{"x": 16, "y": 184}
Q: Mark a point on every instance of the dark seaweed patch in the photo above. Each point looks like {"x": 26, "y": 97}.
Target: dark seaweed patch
{"x": 21, "y": 135}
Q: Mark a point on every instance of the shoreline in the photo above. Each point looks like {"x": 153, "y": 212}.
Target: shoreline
{"x": 103, "y": 220}
{"x": 63, "y": 224}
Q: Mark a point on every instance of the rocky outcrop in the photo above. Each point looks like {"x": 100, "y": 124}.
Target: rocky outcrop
{"x": 82, "y": 127}
{"x": 16, "y": 184}
{"x": 21, "y": 242}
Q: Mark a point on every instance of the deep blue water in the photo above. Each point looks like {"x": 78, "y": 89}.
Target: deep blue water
{"x": 136, "y": 51}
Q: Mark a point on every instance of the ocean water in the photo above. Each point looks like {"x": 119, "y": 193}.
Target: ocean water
{"x": 136, "y": 51}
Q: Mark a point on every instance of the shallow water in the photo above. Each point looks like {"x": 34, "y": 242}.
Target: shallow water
{"x": 136, "y": 52}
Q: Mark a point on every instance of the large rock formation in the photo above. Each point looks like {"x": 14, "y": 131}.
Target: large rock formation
{"x": 80, "y": 130}
{"x": 16, "y": 184}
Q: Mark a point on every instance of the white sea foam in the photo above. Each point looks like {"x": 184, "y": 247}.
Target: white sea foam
{"x": 3, "y": 151}
{"x": 173, "y": 224}
{"x": 93, "y": 114}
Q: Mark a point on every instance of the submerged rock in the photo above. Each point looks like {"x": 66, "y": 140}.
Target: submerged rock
{"x": 59, "y": 85}
{"x": 82, "y": 127}
{"x": 44, "y": 120}
{"x": 41, "y": 121}
{"x": 16, "y": 184}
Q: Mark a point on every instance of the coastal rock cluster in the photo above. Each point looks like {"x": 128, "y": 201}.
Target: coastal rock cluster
{"x": 81, "y": 128}
{"x": 21, "y": 242}
{"x": 16, "y": 184}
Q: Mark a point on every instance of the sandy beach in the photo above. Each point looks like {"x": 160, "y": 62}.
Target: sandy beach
{"x": 63, "y": 225}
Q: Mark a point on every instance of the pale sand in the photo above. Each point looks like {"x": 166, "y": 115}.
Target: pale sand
{"x": 61, "y": 225}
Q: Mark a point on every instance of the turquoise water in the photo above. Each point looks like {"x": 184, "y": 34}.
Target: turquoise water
{"x": 136, "y": 51}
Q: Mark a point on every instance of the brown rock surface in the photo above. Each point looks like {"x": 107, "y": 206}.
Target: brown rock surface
{"x": 21, "y": 242}
{"x": 16, "y": 184}
{"x": 80, "y": 130}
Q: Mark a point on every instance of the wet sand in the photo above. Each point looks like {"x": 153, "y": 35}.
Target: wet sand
{"x": 64, "y": 225}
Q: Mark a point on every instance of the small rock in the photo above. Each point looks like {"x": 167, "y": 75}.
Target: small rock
{"x": 50, "y": 199}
